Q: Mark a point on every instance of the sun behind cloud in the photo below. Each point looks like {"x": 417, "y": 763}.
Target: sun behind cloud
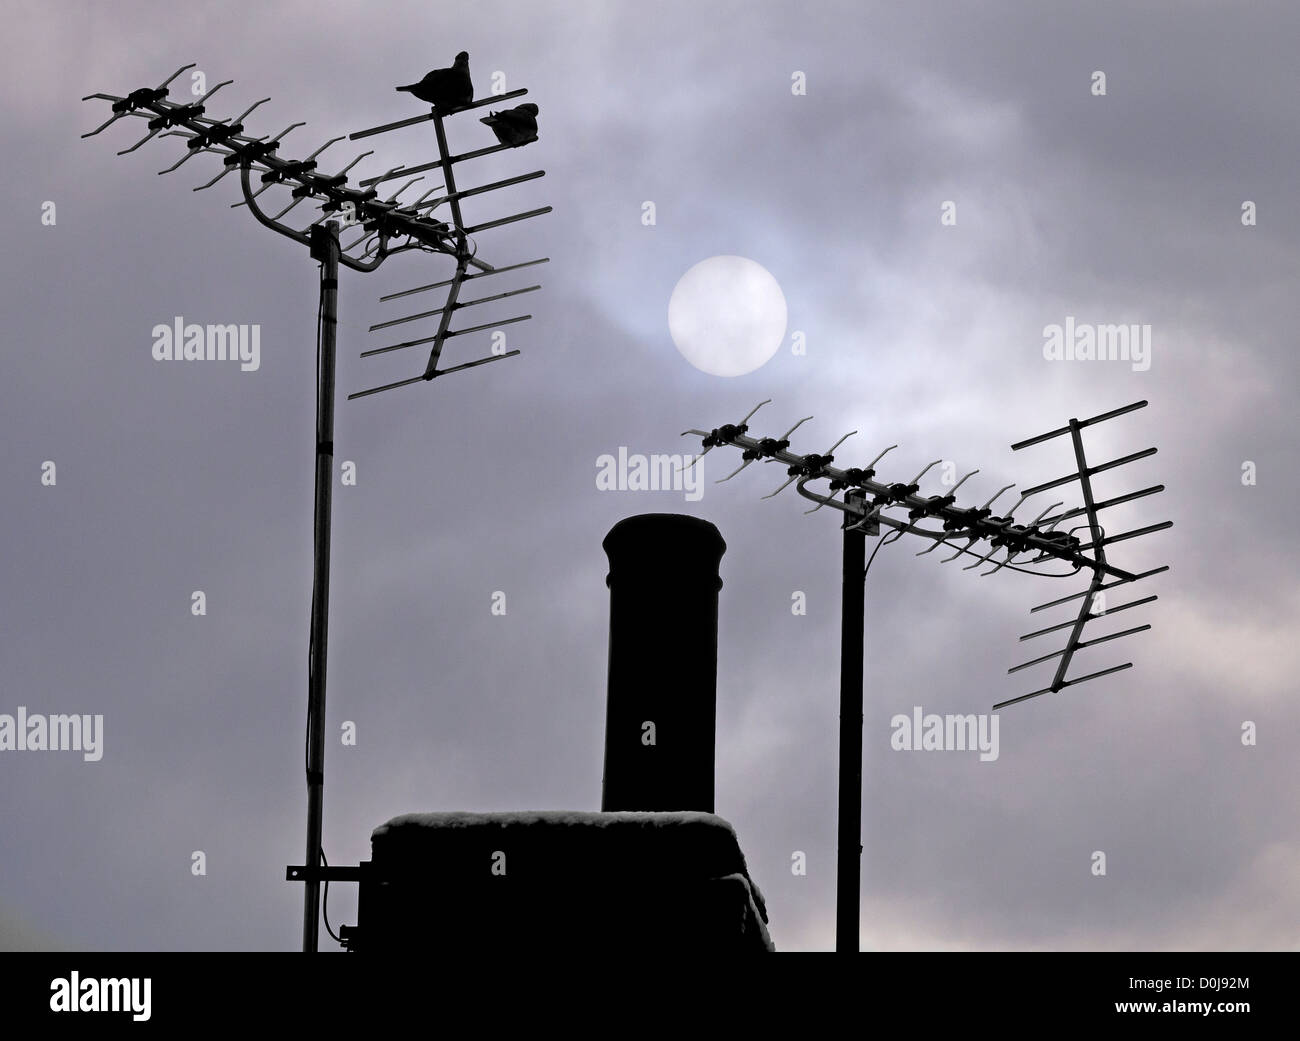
{"x": 727, "y": 316}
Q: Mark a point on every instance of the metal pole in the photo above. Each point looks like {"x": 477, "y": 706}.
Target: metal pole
{"x": 848, "y": 877}
{"x": 325, "y": 248}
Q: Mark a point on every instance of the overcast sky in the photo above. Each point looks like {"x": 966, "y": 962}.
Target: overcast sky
{"x": 171, "y": 477}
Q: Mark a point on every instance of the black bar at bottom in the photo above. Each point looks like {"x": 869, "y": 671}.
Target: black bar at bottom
{"x": 1244, "y": 991}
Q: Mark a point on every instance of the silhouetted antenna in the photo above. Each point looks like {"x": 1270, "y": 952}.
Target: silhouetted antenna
{"x": 1097, "y": 543}
{"x": 388, "y": 227}
{"x": 1039, "y": 536}
{"x": 456, "y": 232}
{"x": 868, "y": 503}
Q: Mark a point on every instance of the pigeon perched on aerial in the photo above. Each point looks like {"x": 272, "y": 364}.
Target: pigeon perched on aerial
{"x": 447, "y": 89}
{"x": 514, "y": 126}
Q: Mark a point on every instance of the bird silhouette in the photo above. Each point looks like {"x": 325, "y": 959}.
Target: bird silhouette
{"x": 514, "y": 126}
{"x": 445, "y": 89}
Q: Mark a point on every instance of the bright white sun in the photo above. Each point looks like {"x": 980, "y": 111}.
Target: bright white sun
{"x": 727, "y": 316}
